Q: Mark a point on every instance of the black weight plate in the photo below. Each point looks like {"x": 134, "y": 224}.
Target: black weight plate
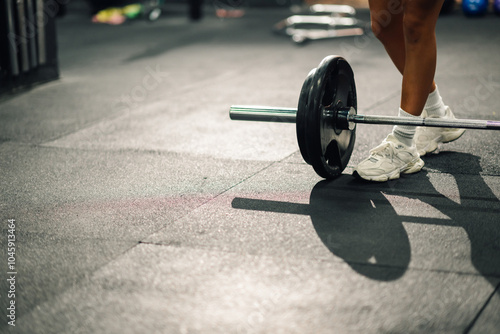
{"x": 300, "y": 121}
{"x": 329, "y": 149}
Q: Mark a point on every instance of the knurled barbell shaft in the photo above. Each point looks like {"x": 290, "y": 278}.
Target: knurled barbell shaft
{"x": 288, "y": 115}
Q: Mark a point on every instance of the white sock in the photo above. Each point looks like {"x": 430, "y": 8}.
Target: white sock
{"x": 435, "y": 105}
{"x": 404, "y": 133}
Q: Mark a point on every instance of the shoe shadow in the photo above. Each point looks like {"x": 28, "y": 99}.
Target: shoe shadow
{"x": 477, "y": 209}
{"x": 355, "y": 220}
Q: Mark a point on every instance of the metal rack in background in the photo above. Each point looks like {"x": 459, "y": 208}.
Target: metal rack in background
{"x": 28, "y": 43}
{"x": 320, "y": 22}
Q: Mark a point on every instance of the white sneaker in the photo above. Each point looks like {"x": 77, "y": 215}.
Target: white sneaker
{"x": 427, "y": 139}
{"x": 388, "y": 160}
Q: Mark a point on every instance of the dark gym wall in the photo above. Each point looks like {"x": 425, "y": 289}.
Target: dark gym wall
{"x": 28, "y": 44}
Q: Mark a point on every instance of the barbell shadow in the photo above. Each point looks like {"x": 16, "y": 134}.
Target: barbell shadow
{"x": 377, "y": 248}
{"x": 357, "y": 223}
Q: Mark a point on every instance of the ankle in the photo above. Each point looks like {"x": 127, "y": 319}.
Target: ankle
{"x": 435, "y": 105}
{"x": 404, "y": 133}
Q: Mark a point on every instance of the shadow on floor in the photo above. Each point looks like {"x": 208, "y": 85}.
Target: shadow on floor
{"x": 356, "y": 222}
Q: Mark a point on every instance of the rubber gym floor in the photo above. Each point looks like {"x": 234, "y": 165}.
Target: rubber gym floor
{"x": 140, "y": 207}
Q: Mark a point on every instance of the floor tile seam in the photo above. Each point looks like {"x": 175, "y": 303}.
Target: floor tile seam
{"x": 434, "y": 171}
{"x": 205, "y": 202}
{"x": 268, "y": 165}
{"x": 212, "y": 249}
{"x": 111, "y": 150}
{"x": 321, "y": 260}
{"x": 481, "y": 310}
{"x": 63, "y": 237}
{"x": 412, "y": 194}
{"x": 431, "y": 270}
{"x": 114, "y": 116}
{"x": 87, "y": 277}
{"x": 129, "y": 150}
{"x": 26, "y": 89}
{"x": 81, "y": 281}
{"x": 224, "y": 77}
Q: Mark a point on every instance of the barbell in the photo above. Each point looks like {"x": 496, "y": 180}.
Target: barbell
{"x": 326, "y": 117}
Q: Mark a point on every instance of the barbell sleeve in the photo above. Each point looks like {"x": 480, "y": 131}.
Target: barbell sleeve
{"x": 288, "y": 115}
{"x": 263, "y": 114}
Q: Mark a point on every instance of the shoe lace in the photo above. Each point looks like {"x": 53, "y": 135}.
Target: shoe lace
{"x": 385, "y": 149}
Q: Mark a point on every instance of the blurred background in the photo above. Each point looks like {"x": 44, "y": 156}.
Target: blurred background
{"x": 28, "y": 34}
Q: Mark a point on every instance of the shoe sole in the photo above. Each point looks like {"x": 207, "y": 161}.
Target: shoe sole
{"x": 443, "y": 139}
{"x": 410, "y": 168}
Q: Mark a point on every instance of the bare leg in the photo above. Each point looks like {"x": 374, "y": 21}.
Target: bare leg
{"x": 387, "y": 25}
{"x": 419, "y": 24}
{"x": 406, "y": 29}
